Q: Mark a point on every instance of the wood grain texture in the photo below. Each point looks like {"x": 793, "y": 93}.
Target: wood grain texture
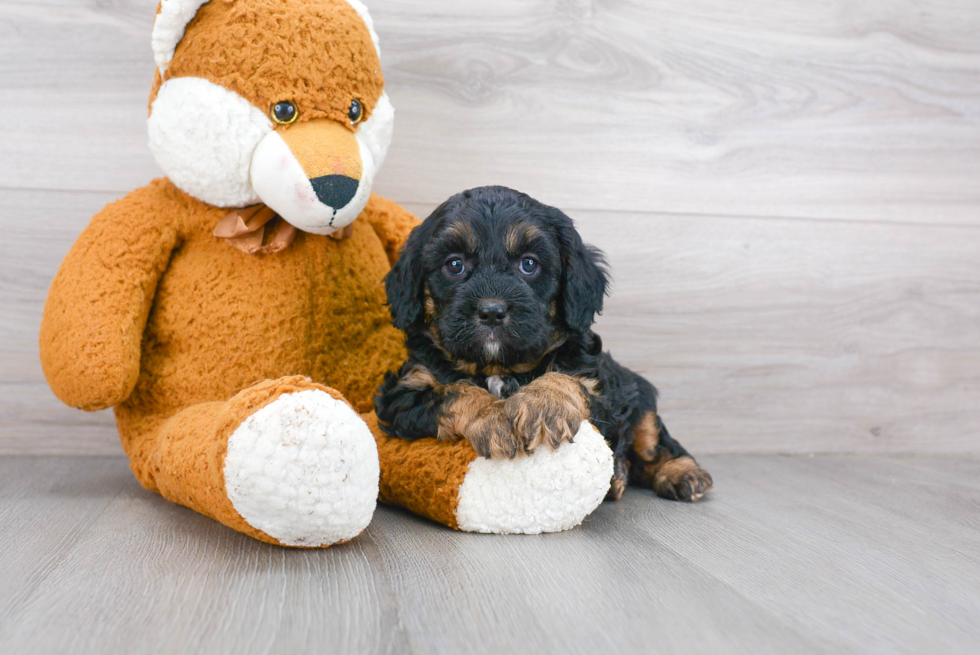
{"x": 763, "y": 335}
{"x": 45, "y": 507}
{"x": 32, "y": 420}
{"x": 788, "y": 194}
{"x": 787, "y": 554}
{"x": 775, "y": 335}
{"x": 836, "y": 110}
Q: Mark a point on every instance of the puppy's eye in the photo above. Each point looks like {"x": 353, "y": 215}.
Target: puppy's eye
{"x": 356, "y": 112}
{"x": 284, "y": 112}
{"x": 528, "y": 266}
{"x": 455, "y": 266}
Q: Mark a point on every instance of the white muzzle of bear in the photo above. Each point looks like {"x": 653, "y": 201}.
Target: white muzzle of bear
{"x": 217, "y": 147}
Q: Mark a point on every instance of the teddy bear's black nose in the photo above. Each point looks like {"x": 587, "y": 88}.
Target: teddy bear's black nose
{"x": 335, "y": 190}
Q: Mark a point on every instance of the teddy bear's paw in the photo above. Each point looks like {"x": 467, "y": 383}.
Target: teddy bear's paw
{"x": 547, "y": 491}
{"x": 304, "y": 470}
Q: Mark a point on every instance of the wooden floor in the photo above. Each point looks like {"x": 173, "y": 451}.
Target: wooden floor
{"x": 834, "y": 554}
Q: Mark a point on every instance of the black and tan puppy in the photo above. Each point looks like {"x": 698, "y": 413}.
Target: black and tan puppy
{"x": 496, "y": 294}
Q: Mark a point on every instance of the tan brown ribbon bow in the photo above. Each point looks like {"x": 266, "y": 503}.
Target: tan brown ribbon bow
{"x": 258, "y": 230}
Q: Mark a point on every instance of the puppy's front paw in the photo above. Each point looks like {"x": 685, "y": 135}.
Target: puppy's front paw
{"x": 681, "y": 479}
{"x": 548, "y": 411}
{"x": 491, "y": 434}
{"x": 620, "y": 478}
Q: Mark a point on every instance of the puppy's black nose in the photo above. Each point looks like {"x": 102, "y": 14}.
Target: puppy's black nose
{"x": 492, "y": 311}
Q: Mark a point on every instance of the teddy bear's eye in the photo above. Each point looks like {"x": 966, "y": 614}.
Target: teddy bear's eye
{"x": 356, "y": 112}
{"x": 284, "y": 112}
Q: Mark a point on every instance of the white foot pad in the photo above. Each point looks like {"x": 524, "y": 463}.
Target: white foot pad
{"x": 304, "y": 470}
{"x": 548, "y": 491}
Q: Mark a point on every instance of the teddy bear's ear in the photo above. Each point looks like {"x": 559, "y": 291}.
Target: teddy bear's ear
{"x": 168, "y": 28}
{"x": 174, "y": 16}
{"x": 362, "y": 11}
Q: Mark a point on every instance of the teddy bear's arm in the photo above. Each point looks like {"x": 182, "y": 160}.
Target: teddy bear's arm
{"x": 99, "y": 300}
{"x": 391, "y": 222}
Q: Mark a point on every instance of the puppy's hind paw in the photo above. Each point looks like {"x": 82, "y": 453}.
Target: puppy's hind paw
{"x": 682, "y": 479}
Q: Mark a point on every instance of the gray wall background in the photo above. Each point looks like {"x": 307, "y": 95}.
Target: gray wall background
{"x": 788, "y": 192}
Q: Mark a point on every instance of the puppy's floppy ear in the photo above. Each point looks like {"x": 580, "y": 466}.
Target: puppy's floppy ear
{"x": 584, "y": 276}
{"x": 404, "y": 283}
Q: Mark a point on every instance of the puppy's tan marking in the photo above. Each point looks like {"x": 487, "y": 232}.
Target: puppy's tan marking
{"x": 419, "y": 377}
{"x": 519, "y": 238}
{"x": 464, "y": 367}
{"x": 430, "y": 305}
{"x": 646, "y": 437}
{"x": 497, "y": 369}
{"x": 464, "y": 401}
{"x": 461, "y": 232}
{"x": 549, "y": 410}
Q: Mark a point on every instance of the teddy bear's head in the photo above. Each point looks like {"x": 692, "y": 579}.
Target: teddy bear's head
{"x": 278, "y": 102}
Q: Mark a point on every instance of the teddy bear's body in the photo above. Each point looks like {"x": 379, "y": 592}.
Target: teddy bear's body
{"x": 217, "y": 321}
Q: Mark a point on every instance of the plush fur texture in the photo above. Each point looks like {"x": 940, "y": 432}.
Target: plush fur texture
{"x": 202, "y": 349}
{"x": 212, "y": 100}
{"x": 151, "y": 314}
{"x": 168, "y": 28}
{"x": 173, "y": 17}
{"x": 497, "y": 294}
{"x": 318, "y": 54}
{"x": 362, "y": 11}
{"x": 449, "y": 483}
{"x": 204, "y": 137}
{"x": 558, "y": 489}
{"x": 304, "y": 470}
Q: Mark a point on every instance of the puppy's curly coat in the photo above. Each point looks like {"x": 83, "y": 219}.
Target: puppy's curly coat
{"x": 496, "y": 294}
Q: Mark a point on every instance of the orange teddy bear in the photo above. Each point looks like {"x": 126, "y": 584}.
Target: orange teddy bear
{"x": 233, "y": 313}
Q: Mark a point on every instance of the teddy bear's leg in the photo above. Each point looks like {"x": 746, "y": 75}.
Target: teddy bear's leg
{"x": 547, "y": 491}
{"x": 286, "y": 461}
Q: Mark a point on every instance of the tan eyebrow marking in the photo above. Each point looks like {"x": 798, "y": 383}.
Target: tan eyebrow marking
{"x": 460, "y": 230}
{"x": 520, "y": 236}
